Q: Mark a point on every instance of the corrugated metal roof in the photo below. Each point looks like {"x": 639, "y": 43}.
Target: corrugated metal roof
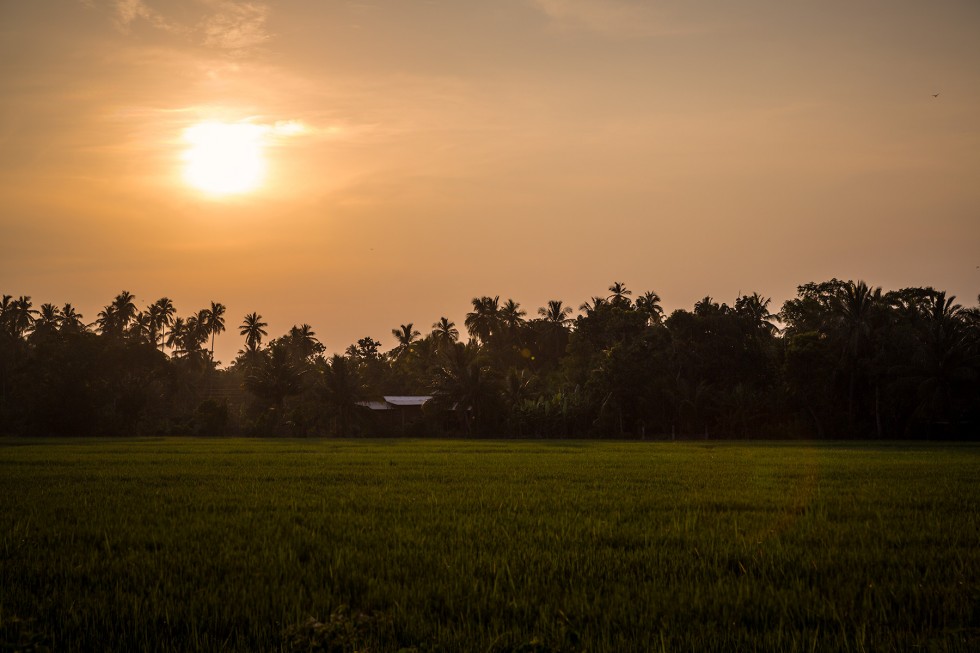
{"x": 375, "y": 405}
{"x": 415, "y": 400}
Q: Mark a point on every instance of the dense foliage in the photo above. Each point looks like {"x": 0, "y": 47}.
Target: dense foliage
{"x": 840, "y": 360}
{"x": 504, "y": 547}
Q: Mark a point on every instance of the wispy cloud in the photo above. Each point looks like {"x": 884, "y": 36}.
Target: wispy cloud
{"x": 236, "y": 26}
{"x": 127, "y": 12}
{"x": 233, "y": 27}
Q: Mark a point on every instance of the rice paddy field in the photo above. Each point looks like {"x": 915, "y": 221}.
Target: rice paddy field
{"x": 326, "y": 545}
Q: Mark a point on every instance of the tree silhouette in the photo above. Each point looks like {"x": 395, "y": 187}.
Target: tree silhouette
{"x": 214, "y": 322}
{"x": 162, "y": 314}
{"x": 556, "y": 313}
{"x": 620, "y": 295}
{"x": 856, "y": 314}
{"x": 406, "y": 335}
{"x": 649, "y": 304}
{"x": 342, "y": 389}
{"x": 253, "y": 328}
{"x": 47, "y": 322}
{"x": 21, "y": 316}
{"x": 592, "y": 305}
{"x": 755, "y": 310}
{"x": 445, "y": 332}
{"x": 464, "y": 384}
{"x": 304, "y": 342}
{"x": 114, "y": 319}
{"x": 71, "y": 320}
{"x": 511, "y": 317}
{"x": 484, "y": 320}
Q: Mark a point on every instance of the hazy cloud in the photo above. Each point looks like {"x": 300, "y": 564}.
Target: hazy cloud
{"x": 221, "y": 24}
{"x": 625, "y": 18}
{"x": 128, "y": 12}
{"x": 236, "y": 26}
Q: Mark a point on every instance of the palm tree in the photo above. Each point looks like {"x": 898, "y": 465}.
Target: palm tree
{"x": 115, "y": 318}
{"x": 253, "y": 328}
{"x": 708, "y": 306}
{"x": 275, "y": 379}
{"x": 162, "y": 313}
{"x": 406, "y": 335}
{"x": 141, "y": 328}
{"x": 649, "y": 303}
{"x": 107, "y": 320}
{"x": 343, "y": 389}
{"x": 620, "y": 295}
{"x": 444, "y": 331}
{"x": 21, "y": 316}
{"x": 556, "y": 313}
{"x": 755, "y": 309}
{"x": 462, "y": 383}
{"x": 47, "y": 321}
{"x": 214, "y": 322}
{"x": 6, "y": 313}
{"x": 592, "y": 305}
{"x": 195, "y": 335}
{"x": 856, "y": 313}
{"x": 304, "y": 343}
{"x": 175, "y": 339}
{"x": 511, "y": 316}
{"x": 484, "y": 321}
{"x": 945, "y": 360}
{"x": 71, "y": 320}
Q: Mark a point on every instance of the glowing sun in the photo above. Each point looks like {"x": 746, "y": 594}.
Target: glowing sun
{"x": 224, "y": 158}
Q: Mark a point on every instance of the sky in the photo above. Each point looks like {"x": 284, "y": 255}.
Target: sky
{"x": 390, "y": 160}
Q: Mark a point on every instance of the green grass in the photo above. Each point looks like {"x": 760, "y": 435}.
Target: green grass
{"x": 181, "y": 545}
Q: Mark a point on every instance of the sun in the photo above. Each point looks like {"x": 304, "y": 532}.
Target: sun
{"x": 224, "y": 158}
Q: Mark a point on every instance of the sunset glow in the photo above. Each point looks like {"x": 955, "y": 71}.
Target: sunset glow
{"x": 224, "y": 158}
{"x": 535, "y": 149}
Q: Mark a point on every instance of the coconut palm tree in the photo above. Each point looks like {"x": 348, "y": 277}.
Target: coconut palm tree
{"x": 175, "y": 338}
{"x": 6, "y": 313}
{"x": 47, "y": 322}
{"x": 945, "y": 361}
{"x": 214, "y": 322}
{"x": 857, "y": 312}
{"x": 592, "y": 305}
{"x": 253, "y": 328}
{"x": 511, "y": 316}
{"x": 71, "y": 320}
{"x": 444, "y": 331}
{"x": 556, "y": 313}
{"x": 484, "y": 320}
{"x": 620, "y": 295}
{"x": 162, "y": 314}
{"x": 303, "y": 342}
{"x": 649, "y": 304}
{"x": 21, "y": 316}
{"x": 406, "y": 335}
{"x": 195, "y": 335}
{"x": 141, "y": 328}
{"x": 275, "y": 378}
{"x": 342, "y": 388}
{"x": 463, "y": 383}
{"x": 115, "y": 318}
{"x": 754, "y": 309}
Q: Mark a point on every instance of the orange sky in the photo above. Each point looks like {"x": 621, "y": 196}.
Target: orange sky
{"x": 533, "y": 149}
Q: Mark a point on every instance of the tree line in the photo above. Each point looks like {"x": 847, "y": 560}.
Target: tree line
{"x": 840, "y": 360}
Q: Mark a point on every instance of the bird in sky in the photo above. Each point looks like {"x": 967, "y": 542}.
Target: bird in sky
{"x": 935, "y": 95}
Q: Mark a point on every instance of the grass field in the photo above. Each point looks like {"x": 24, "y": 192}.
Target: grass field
{"x": 252, "y": 545}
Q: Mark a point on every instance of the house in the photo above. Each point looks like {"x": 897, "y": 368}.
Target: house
{"x": 397, "y": 410}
